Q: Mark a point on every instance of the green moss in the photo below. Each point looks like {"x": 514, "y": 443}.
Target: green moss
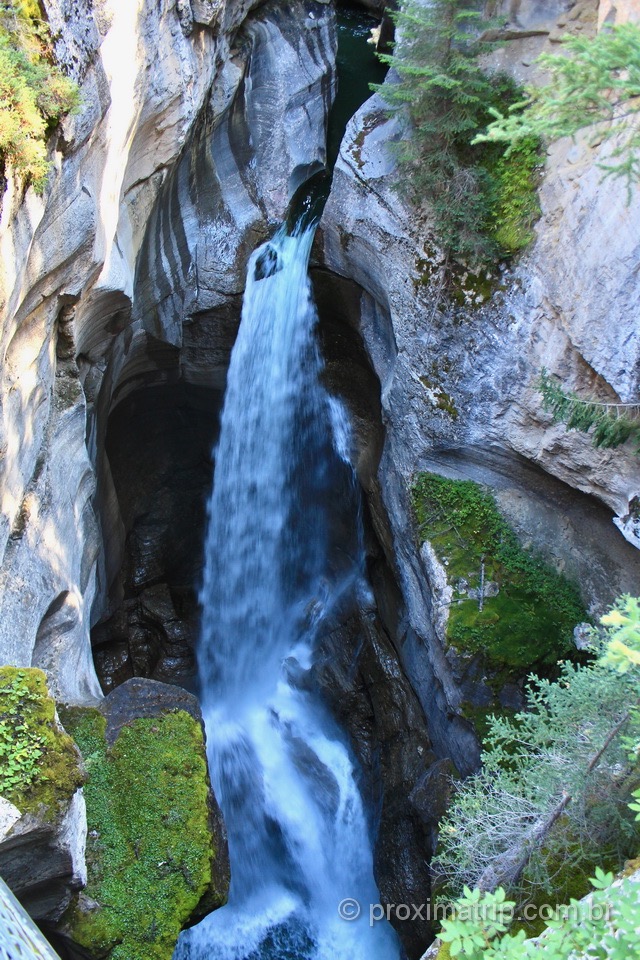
{"x": 149, "y": 851}
{"x": 531, "y": 620}
{"x": 39, "y": 765}
{"x": 469, "y": 288}
{"x": 514, "y": 196}
{"x": 444, "y": 952}
{"x": 441, "y": 399}
{"x": 571, "y": 880}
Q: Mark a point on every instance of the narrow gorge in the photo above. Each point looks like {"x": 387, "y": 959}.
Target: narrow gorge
{"x": 254, "y": 430}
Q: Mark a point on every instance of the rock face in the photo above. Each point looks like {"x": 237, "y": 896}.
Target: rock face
{"x": 42, "y": 861}
{"x": 458, "y": 382}
{"x": 174, "y": 168}
{"x": 361, "y": 679}
{"x": 121, "y": 293}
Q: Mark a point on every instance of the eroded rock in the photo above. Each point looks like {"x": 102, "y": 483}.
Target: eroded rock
{"x": 90, "y": 272}
{"x": 458, "y": 382}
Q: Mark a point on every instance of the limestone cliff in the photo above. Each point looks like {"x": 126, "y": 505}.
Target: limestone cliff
{"x": 176, "y": 163}
{"x": 458, "y": 379}
{"x": 121, "y": 291}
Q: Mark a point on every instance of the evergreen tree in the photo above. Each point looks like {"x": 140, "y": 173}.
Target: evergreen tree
{"x": 446, "y": 95}
{"x": 556, "y": 779}
{"x": 607, "y": 924}
{"x": 594, "y": 81}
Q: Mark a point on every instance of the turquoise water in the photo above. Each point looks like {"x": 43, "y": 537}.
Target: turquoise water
{"x": 358, "y": 66}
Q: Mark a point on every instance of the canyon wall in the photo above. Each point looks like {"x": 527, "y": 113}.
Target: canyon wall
{"x": 459, "y": 374}
{"x": 175, "y": 166}
{"x": 121, "y": 293}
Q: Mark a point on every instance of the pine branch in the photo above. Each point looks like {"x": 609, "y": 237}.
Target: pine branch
{"x": 589, "y": 83}
{"x": 613, "y": 423}
{"x": 445, "y": 95}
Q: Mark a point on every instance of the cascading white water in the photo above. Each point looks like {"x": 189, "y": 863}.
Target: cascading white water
{"x": 298, "y": 836}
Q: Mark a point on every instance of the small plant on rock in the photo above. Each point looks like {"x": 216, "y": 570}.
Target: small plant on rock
{"x": 21, "y": 745}
{"x": 39, "y": 765}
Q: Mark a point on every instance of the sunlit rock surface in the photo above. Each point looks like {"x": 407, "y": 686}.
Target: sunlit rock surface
{"x": 459, "y": 380}
{"x": 139, "y": 229}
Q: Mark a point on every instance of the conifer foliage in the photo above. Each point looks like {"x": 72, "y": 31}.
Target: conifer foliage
{"x": 447, "y": 96}
{"x": 613, "y": 423}
{"x": 594, "y": 81}
{"x": 607, "y": 924}
{"x": 556, "y": 779}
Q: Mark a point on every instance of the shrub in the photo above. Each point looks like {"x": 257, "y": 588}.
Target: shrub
{"x": 556, "y": 779}
{"x": 606, "y": 926}
{"x": 34, "y": 93}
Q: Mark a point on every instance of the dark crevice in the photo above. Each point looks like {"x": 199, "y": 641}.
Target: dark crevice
{"x": 158, "y": 443}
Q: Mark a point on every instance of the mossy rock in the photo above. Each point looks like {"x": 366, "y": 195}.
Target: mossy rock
{"x": 40, "y": 767}
{"x": 151, "y": 852}
{"x": 528, "y": 620}
{"x": 571, "y": 870}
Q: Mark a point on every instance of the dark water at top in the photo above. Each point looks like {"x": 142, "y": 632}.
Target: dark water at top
{"x": 358, "y": 66}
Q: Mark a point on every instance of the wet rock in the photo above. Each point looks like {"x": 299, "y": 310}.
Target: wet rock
{"x": 361, "y": 678}
{"x": 113, "y": 664}
{"x": 42, "y": 859}
{"x": 511, "y": 696}
{"x": 431, "y": 794}
{"x": 583, "y": 636}
{"x": 142, "y": 697}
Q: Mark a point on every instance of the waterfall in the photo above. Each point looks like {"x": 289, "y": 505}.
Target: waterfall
{"x": 298, "y": 836}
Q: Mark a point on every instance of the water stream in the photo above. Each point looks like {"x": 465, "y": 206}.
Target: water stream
{"x": 298, "y": 836}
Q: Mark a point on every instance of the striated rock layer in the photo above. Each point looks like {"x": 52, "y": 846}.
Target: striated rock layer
{"x": 129, "y": 270}
{"x": 458, "y": 382}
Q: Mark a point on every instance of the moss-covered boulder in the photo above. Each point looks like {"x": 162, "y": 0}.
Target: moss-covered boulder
{"x": 156, "y": 849}
{"x": 503, "y": 610}
{"x": 42, "y": 850}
